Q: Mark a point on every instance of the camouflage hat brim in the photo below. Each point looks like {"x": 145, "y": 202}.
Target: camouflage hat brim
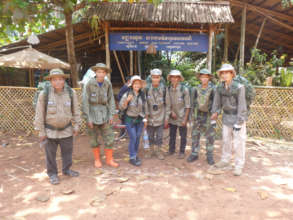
{"x": 95, "y": 68}
{"x": 181, "y": 77}
{"x": 66, "y": 76}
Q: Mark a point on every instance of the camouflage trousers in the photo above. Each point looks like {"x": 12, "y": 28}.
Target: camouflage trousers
{"x": 106, "y": 133}
{"x": 202, "y": 126}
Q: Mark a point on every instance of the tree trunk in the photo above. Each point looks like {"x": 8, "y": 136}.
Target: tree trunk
{"x": 71, "y": 49}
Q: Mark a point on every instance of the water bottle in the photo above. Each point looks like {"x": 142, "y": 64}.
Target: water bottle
{"x": 146, "y": 143}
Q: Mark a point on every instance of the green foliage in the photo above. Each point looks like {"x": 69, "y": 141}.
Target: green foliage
{"x": 287, "y": 3}
{"x": 264, "y": 66}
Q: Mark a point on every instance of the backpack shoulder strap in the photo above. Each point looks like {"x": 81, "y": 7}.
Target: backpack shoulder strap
{"x": 46, "y": 97}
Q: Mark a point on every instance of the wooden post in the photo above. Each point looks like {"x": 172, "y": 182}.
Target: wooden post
{"x": 237, "y": 54}
{"x": 258, "y": 37}
{"x": 119, "y": 66}
{"x": 209, "y": 58}
{"x": 108, "y": 61}
{"x": 226, "y": 43}
{"x": 135, "y": 62}
{"x": 124, "y": 62}
{"x": 242, "y": 40}
{"x": 31, "y": 77}
{"x": 139, "y": 62}
{"x": 214, "y": 52}
{"x": 131, "y": 62}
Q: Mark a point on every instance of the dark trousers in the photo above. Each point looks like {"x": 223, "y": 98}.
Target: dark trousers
{"x": 66, "y": 146}
{"x": 155, "y": 134}
{"x": 172, "y": 135}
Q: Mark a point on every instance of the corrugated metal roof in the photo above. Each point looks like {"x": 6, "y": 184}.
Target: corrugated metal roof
{"x": 166, "y": 12}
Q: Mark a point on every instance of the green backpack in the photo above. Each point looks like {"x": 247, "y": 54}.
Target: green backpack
{"x": 249, "y": 90}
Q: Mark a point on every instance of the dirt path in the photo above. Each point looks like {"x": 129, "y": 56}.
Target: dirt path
{"x": 169, "y": 189}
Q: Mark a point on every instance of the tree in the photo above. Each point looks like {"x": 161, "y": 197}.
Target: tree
{"x": 18, "y": 18}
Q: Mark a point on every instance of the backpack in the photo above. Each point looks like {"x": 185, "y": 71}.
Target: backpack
{"x": 45, "y": 86}
{"x": 249, "y": 90}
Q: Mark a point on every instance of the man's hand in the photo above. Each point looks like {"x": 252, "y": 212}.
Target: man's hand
{"x": 173, "y": 115}
{"x": 214, "y": 116}
{"x": 90, "y": 125}
{"x": 129, "y": 98}
{"x": 75, "y": 133}
{"x": 43, "y": 138}
{"x": 110, "y": 121}
{"x": 184, "y": 123}
{"x": 166, "y": 124}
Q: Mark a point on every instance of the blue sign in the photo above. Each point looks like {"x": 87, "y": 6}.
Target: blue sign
{"x": 162, "y": 41}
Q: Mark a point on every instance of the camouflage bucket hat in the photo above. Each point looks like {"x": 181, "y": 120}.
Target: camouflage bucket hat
{"x": 55, "y": 73}
{"x": 101, "y": 66}
{"x": 204, "y": 72}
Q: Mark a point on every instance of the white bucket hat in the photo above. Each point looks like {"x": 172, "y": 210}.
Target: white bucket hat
{"x": 226, "y": 67}
{"x": 175, "y": 73}
{"x": 156, "y": 72}
{"x": 134, "y": 78}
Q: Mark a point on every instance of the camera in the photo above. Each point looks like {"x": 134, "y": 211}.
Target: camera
{"x": 155, "y": 107}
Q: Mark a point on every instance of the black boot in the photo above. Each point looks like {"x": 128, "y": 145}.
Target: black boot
{"x": 210, "y": 159}
{"x": 192, "y": 158}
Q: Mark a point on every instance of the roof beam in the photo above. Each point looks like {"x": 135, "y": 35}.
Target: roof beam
{"x": 263, "y": 11}
{"x": 63, "y": 41}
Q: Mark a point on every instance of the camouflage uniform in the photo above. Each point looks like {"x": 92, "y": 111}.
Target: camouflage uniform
{"x": 99, "y": 107}
{"x": 201, "y": 119}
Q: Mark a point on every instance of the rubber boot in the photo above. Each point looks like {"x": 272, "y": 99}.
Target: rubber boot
{"x": 96, "y": 152}
{"x": 210, "y": 159}
{"x": 109, "y": 158}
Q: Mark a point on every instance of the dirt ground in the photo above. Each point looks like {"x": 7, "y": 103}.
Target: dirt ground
{"x": 169, "y": 189}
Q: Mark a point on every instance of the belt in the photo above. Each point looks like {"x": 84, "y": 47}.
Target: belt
{"x": 57, "y": 129}
{"x": 230, "y": 112}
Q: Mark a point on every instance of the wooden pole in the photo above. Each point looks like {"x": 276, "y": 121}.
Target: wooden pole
{"x": 214, "y": 52}
{"x": 226, "y": 43}
{"x": 108, "y": 61}
{"x": 209, "y": 58}
{"x": 139, "y": 62}
{"x": 242, "y": 40}
{"x": 135, "y": 62}
{"x": 119, "y": 66}
{"x": 236, "y": 56}
{"x": 124, "y": 62}
{"x": 258, "y": 37}
{"x": 131, "y": 62}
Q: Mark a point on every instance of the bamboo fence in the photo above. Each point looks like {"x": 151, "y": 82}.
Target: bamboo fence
{"x": 271, "y": 112}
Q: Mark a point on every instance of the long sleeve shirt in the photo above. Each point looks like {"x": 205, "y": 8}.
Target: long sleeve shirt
{"x": 59, "y": 114}
{"x": 233, "y": 103}
{"x": 135, "y": 106}
{"x": 98, "y": 104}
{"x": 177, "y": 101}
{"x": 155, "y": 105}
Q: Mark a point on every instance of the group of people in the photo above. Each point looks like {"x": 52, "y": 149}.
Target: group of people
{"x": 153, "y": 107}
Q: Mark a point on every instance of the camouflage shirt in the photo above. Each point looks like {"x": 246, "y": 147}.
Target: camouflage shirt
{"x": 177, "y": 101}
{"x": 98, "y": 104}
{"x": 233, "y": 103}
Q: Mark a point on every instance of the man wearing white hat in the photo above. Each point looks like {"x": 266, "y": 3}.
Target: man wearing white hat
{"x": 155, "y": 114}
{"x": 177, "y": 111}
{"x": 230, "y": 97}
{"x": 57, "y": 119}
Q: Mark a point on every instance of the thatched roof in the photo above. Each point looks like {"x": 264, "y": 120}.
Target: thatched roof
{"x": 167, "y": 12}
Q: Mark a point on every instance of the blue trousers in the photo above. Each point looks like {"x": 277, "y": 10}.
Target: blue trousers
{"x": 134, "y": 132}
